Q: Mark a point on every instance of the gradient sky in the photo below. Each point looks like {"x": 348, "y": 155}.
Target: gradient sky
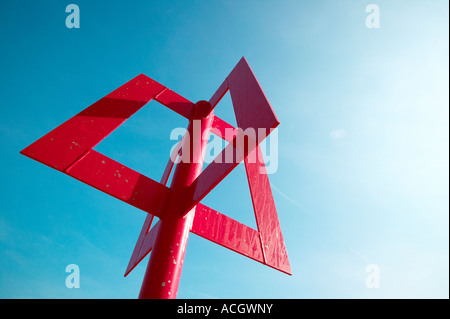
{"x": 363, "y": 158}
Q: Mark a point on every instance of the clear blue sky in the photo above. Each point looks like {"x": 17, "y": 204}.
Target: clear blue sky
{"x": 362, "y": 175}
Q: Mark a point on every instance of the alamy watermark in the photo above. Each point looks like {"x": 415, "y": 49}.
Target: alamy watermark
{"x": 373, "y": 279}
{"x": 373, "y": 19}
{"x": 242, "y": 144}
{"x": 73, "y": 279}
{"x": 73, "y": 19}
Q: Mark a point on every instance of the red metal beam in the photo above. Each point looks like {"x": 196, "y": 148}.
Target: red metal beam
{"x": 176, "y": 102}
{"x": 144, "y": 243}
{"x": 115, "y": 179}
{"x": 275, "y": 253}
{"x": 165, "y": 265}
{"x": 135, "y": 257}
{"x": 227, "y": 232}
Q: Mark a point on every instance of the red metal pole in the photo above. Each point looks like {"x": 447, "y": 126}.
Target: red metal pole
{"x": 164, "y": 267}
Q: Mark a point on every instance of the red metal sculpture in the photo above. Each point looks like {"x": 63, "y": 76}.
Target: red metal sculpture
{"x": 69, "y": 149}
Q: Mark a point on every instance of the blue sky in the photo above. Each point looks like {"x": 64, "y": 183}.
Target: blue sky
{"x": 363, "y": 156}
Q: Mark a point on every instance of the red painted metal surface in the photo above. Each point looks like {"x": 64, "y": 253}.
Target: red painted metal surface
{"x": 269, "y": 231}
{"x": 138, "y": 252}
{"x": 221, "y": 128}
{"x": 137, "y": 256}
{"x": 175, "y": 102}
{"x": 163, "y": 273}
{"x": 147, "y": 242}
{"x": 68, "y": 148}
{"x": 275, "y": 254}
{"x": 170, "y": 162}
{"x": 251, "y": 106}
{"x": 227, "y": 232}
{"x": 119, "y": 181}
{"x": 218, "y": 95}
{"x": 164, "y": 267}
